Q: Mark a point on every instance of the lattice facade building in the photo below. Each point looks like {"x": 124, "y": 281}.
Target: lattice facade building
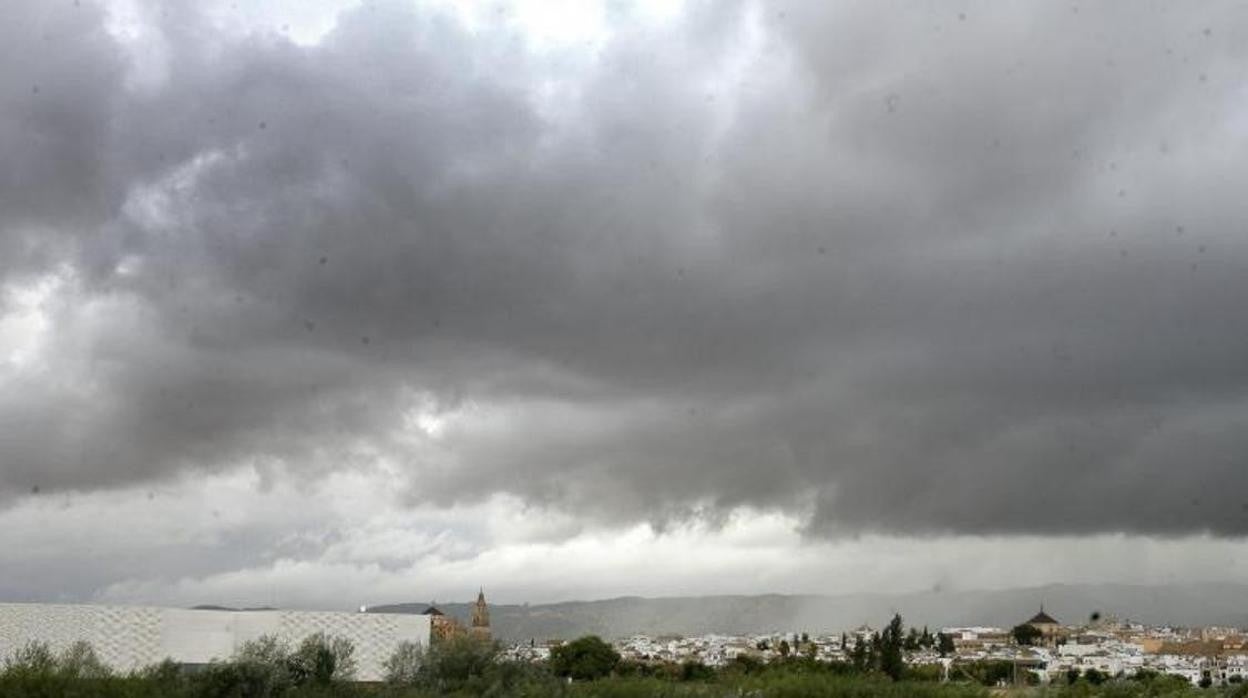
{"x": 132, "y": 637}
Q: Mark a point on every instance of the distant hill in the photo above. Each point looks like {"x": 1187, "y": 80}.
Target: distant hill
{"x": 1193, "y": 604}
{"x": 214, "y": 607}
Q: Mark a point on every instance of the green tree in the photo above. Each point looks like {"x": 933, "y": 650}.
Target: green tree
{"x": 322, "y": 659}
{"x": 858, "y": 655}
{"x": 693, "y": 670}
{"x": 266, "y": 649}
{"x": 1026, "y": 634}
{"x": 166, "y": 677}
{"x": 585, "y": 658}
{"x": 912, "y": 640}
{"x": 404, "y": 664}
{"x": 784, "y": 649}
{"x": 450, "y": 664}
{"x": 991, "y": 672}
{"x": 892, "y": 642}
{"x": 944, "y": 644}
{"x": 79, "y": 661}
{"x": 746, "y": 664}
{"x": 33, "y": 658}
{"x": 242, "y": 679}
{"x": 266, "y": 656}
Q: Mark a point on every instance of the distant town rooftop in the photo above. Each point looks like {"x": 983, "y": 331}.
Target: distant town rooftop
{"x": 1042, "y": 618}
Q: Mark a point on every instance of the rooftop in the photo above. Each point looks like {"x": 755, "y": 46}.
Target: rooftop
{"x": 1042, "y": 618}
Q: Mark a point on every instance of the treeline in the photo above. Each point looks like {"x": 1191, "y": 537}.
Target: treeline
{"x": 320, "y": 665}
{"x": 324, "y": 666}
{"x": 885, "y": 651}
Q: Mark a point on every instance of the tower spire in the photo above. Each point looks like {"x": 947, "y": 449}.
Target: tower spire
{"x": 481, "y": 615}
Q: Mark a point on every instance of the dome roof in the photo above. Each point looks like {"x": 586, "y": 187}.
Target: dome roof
{"x": 1042, "y": 618}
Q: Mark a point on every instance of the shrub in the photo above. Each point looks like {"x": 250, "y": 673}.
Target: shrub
{"x": 454, "y": 663}
{"x": 238, "y": 680}
{"x": 322, "y": 659}
{"x": 925, "y": 672}
{"x": 79, "y": 661}
{"x": 403, "y": 666}
{"x": 33, "y": 658}
{"x": 266, "y": 649}
{"x": 694, "y": 670}
{"x": 746, "y": 664}
{"x": 586, "y": 658}
{"x": 634, "y": 668}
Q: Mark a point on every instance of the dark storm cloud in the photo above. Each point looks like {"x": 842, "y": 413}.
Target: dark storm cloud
{"x": 57, "y": 94}
{"x": 913, "y": 269}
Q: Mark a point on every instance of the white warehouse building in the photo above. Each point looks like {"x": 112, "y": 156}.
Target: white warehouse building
{"x": 132, "y": 637}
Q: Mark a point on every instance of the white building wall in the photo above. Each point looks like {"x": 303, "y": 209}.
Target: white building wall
{"x": 131, "y": 637}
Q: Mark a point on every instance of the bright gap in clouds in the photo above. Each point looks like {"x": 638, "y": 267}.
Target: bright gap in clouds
{"x": 345, "y": 542}
{"x": 547, "y": 24}
{"x": 557, "y": 24}
{"x": 25, "y": 322}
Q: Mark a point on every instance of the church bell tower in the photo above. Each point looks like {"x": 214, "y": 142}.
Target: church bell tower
{"x": 481, "y": 617}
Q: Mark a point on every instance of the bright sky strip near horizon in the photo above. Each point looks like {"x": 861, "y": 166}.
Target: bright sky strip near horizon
{"x": 672, "y": 297}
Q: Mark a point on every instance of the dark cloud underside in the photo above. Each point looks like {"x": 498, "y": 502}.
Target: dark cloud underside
{"x": 904, "y": 268}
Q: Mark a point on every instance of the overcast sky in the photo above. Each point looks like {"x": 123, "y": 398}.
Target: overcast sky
{"x": 323, "y": 304}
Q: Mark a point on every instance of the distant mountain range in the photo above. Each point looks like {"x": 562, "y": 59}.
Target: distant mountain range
{"x": 214, "y": 607}
{"x": 1187, "y": 604}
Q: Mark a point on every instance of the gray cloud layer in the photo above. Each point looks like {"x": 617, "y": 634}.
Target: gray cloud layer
{"x": 909, "y": 269}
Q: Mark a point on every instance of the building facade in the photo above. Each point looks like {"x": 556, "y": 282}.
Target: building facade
{"x": 131, "y": 637}
{"x": 1050, "y": 630}
{"x": 444, "y": 626}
